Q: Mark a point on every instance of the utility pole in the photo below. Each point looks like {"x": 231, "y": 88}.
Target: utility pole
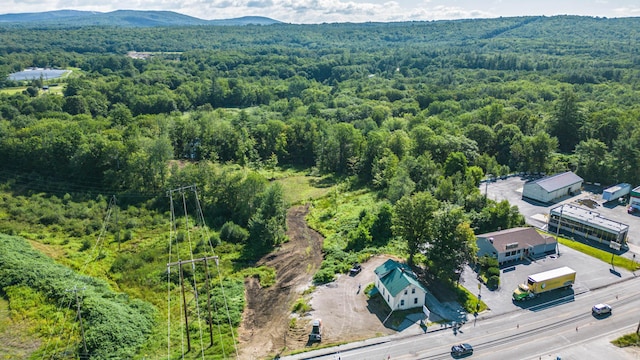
{"x": 184, "y": 299}
{"x": 184, "y": 303}
{"x": 84, "y": 342}
{"x": 115, "y": 203}
{"x": 558, "y": 230}
{"x": 206, "y": 274}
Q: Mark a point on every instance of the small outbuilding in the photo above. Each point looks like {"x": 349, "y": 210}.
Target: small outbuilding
{"x": 551, "y": 188}
{"x": 399, "y": 286}
{"x": 515, "y": 244}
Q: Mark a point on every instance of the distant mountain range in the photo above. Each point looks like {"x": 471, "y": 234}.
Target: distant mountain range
{"x": 121, "y": 18}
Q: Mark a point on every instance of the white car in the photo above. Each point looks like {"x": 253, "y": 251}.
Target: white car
{"x": 600, "y": 309}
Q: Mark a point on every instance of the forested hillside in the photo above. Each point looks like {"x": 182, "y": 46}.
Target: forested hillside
{"x": 409, "y": 116}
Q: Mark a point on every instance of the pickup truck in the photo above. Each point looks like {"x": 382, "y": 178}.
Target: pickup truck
{"x": 355, "y": 270}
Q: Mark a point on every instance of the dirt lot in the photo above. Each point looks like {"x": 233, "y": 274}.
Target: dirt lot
{"x": 346, "y": 313}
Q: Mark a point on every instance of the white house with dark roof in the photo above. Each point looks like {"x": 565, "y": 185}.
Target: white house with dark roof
{"x": 515, "y": 244}
{"x": 551, "y": 188}
{"x": 399, "y": 286}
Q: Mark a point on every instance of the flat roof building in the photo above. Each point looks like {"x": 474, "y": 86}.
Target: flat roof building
{"x": 589, "y": 224}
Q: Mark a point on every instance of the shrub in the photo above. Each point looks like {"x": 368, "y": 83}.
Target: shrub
{"x": 301, "y": 306}
{"x": 125, "y": 262}
{"x": 324, "y": 276}
{"x": 51, "y": 218}
{"x": 233, "y": 233}
{"x": 488, "y": 262}
{"x": 493, "y": 271}
{"x": 493, "y": 282}
{"x": 86, "y": 244}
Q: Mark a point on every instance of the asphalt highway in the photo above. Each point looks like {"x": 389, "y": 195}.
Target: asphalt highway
{"x": 563, "y": 327}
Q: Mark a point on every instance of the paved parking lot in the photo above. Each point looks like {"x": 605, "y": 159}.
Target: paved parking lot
{"x": 591, "y": 273}
{"x": 510, "y": 189}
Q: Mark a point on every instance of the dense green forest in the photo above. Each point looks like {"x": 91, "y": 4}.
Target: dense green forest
{"x": 414, "y": 115}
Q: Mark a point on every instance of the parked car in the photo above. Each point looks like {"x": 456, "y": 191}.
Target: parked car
{"x": 600, "y": 309}
{"x": 355, "y": 270}
{"x": 461, "y": 349}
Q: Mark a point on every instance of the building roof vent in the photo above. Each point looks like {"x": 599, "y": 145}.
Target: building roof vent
{"x": 491, "y": 240}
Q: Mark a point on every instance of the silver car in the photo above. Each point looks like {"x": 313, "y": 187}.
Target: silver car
{"x": 600, "y": 309}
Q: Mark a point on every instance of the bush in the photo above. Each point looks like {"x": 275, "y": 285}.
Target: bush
{"x": 301, "y": 306}
{"x": 493, "y": 282}
{"x": 486, "y": 262}
{"x": 324, "y": 276}
{"x": 233, "y": 233}
{"x": 86, "y": 244}
{"x": 51, "y": 218}
{"x": 493, "y": 271}
{"x": 125, "y": 262}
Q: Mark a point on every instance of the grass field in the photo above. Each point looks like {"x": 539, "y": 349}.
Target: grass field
{"x": 299, "y": 188}
{"x": 605, "y": 256}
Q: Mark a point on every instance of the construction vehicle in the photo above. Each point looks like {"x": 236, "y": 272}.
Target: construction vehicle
{"x": 537, "y": 284}
{"x": 316, "y": 331}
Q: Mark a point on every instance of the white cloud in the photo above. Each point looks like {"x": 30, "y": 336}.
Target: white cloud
{"x": 627, "y": 11}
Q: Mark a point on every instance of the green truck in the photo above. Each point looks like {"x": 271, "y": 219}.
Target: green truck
{"x": 537, "y": 284}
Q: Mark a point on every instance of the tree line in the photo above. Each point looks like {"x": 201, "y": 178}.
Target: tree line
{"x": 417, "y": 113}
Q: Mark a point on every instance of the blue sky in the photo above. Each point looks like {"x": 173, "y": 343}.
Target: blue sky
{"x": 319, "y": 11}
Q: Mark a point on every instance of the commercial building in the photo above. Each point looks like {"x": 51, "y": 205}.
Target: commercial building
{"x": 588, "y": 224}
{"x": 551, "y": 188}
{"x": 515, "y": 244}
{"x": 399, "y": 286}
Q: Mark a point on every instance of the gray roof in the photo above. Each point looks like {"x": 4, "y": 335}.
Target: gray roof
{"x": 516, "y": 238}
{"x": 589, "y": 217}
{"x": 558, "y": 181}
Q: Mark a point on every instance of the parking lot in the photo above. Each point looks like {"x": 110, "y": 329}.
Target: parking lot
{"x": 591, "y": 273}
{"x": 535, "y": 214}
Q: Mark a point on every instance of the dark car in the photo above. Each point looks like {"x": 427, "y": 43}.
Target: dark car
{"x": 355, "y": 270}
{"x": 461, "y": 350}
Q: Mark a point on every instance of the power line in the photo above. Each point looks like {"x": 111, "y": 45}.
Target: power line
{"x": 84, "y": 341}
{"x": 193, "y": 261}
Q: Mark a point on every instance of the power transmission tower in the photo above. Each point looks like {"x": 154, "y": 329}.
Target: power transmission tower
{"x": 179, "y": 263}
{"x": 205, "y": 260}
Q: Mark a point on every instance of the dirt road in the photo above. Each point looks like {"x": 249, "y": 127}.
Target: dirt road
{"x": 346, "y": 313}
{"x": 265, "y": 328}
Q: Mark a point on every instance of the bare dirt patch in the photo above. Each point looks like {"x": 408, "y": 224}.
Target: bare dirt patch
{"x": 347, "y": 314}
{"x": 265, "y": 329}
